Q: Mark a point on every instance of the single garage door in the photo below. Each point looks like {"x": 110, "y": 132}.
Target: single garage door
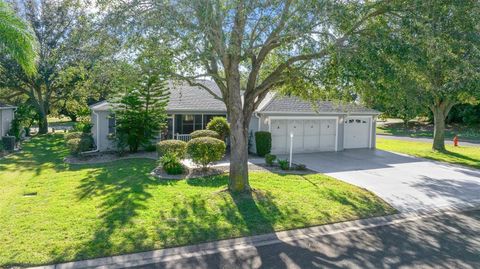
{"x": 308, "y": 135}
{"x": 356, "y": 132}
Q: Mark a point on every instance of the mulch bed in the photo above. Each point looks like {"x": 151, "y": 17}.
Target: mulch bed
{"x": 218, "y": 170}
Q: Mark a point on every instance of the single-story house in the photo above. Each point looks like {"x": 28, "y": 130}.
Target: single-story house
{"x": 7, "y": 113}
{"x": 324, "y": 126}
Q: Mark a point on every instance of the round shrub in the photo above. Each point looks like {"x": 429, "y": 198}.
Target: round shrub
{"x": 205, "y": 150}
{"x": 269, "y": 159}
{"x": 73, "y": 135}
{"x": 176, "y": 147}
{"x": 263, "y": 142}
{"x": 78, "y": 145}
{"x": 171, "y": 164}
{"x": 205, "y": 133}
{"x": 219, "y": 125}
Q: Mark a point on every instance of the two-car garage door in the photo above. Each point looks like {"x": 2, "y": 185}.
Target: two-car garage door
{"x": 310, "y": 135}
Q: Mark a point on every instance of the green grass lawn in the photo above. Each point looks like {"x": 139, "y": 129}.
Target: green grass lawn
{"x": 425, "y": 130}
{"x": 87, "y": 211}
{"x": 468, "y": 156}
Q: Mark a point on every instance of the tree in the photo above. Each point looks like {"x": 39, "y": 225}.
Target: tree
{"x": 427, "y": 50}
{"x": 140, "y": 111}
{"x": 17, "y": 39}
{"x": 68, "y": 39}
{"x": 259, "y": 42}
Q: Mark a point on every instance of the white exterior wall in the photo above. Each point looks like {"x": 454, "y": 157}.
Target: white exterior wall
{"x": 6, "y": 117}
{"x": 100, "y": 131}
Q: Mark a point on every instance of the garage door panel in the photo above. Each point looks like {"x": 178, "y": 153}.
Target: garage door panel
{"x": 279, "y": 136}
{"x": 327, "y": 142}
{"x": 328, "y": 127}
{"x": 356, "y": 132}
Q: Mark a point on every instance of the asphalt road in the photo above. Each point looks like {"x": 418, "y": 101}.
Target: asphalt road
{"x": 446, "y": 241}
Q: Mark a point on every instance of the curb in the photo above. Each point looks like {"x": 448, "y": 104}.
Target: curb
{"x": 176, "y": 253}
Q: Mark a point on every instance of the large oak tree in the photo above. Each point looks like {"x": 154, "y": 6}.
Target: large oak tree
{"x": 259, "y": 42}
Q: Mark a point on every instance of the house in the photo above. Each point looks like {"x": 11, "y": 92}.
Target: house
{"x": 323, "y": 126}
{"x": 7, "y": 113}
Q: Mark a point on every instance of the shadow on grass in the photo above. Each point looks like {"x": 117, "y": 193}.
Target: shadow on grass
{"x": 41, "y": 152}
{"x": 456, "y": 158}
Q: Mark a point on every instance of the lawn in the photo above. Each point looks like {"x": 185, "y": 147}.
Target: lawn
{"x": 468, "y": 156}
{"x": 422, "y": 129}
{"x": 53, "y": 212}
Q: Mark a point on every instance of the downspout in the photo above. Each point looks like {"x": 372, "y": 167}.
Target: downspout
{"x": 97, "y": 136}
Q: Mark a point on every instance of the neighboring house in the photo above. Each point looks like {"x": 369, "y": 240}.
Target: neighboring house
{"x": 7, "y": 113}
{"x": 325, "y": 126}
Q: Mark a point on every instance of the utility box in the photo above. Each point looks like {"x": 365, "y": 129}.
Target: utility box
{"x": 8, "y": 143}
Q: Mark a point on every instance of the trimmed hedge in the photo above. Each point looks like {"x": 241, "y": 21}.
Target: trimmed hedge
{"x": 176, "y": 147}
{"x": 205, "y": 150}
{"x": 205, "y": 133}
{"x": 73, "y": 135}
{"x": 78, "y": 145}
{"x": 219, "y": 125}
{"x": 263, "y": 142}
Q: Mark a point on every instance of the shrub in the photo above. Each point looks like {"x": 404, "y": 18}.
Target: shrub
{"x": 8, "y": 143}
{"x": 171, "y": 164}
{"x": 84, "y": 126}
{"x": 284, "y": 165}
{"x": 263, "y": 142}
{"x": 205, "y": 150}
{"x": 73, "y": 135}
{"x": 176, "y": 147}
{"x": 205, "y": 133}
{"x": 78, "y": 145}
{"x": 269, "y": 159}
{"x": 150, "y": 148}
{"x": 219, "y": 125}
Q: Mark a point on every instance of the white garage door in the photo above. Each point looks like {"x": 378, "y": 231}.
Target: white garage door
{"x": 356, "y": 132}
{"x": 309, "y": 135}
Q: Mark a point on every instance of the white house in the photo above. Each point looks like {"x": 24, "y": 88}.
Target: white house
{"x": 7, "y": 113}
{"x": 324, "y": 126}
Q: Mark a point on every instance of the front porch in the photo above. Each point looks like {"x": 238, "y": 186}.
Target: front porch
{"x": 180, "y": 126}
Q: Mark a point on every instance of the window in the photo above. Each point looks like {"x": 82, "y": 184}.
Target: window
{"x": 111, "y": 124}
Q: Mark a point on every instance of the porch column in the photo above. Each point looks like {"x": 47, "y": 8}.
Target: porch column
{"x": 173, "y": 126}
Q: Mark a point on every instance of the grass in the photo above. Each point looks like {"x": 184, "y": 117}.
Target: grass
{"x": 53, "y": 212}
{"x": 425, "y": 130}
{"x": 468, "y": 156}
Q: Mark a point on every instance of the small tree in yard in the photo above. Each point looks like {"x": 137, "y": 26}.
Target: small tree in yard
{"x": 219, "y": 125}
{"x": 140, "y": 112}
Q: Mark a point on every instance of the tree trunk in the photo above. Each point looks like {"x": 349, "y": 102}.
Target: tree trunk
{"x": 42, "y": 123}
{"x": 238, "y": 153}
{"x": 440, "y": 111}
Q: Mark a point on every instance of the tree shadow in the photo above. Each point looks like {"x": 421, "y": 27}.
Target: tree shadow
{"x": 462, "y": 158}
{"x": 41, "y": 152}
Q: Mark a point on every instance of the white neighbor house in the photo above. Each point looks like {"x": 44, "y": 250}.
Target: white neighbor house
{"x": 327, "y": 126}
{"x": 6, "y": 117}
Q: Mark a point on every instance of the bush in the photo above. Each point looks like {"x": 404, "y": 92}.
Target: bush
{"x": 269, "y": 159}
{"x": 176, "y": 147}
{"x": 205, "y": 150}
{"x": 171, "y": 164}
{"x": 150, "y": 148}
{"x": 83, "y": 127}
{"x": 263, "y": 142}
{"x": 8, "y": 143}
{"x": 219, "y": 125}
{"x": 73, "y": 135}
{"x": 284, "y": 164}
{"x": 78, "y": 145}
{"x": 205, "y": 133}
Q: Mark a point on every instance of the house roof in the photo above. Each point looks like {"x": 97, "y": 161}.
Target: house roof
{"x": 184, "y": 98}
{"x": 292, "y": 104}
{"x": 5, "y": 106}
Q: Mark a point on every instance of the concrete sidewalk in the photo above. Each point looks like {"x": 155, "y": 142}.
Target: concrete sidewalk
{"x": 238, "y": 251}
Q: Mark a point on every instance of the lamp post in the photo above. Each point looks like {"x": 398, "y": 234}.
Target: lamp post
{"x": 291, "y": 149}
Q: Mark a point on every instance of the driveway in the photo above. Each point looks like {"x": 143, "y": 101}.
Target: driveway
{"x": 407, "y": 183}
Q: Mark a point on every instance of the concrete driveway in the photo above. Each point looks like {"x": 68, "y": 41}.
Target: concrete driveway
{"x": 407, "y": 183}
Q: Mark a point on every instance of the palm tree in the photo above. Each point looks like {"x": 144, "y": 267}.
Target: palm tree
{"x": 17, "y": 39}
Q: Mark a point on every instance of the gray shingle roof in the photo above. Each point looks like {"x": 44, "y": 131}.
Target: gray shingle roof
{"x": 289, "y": 104}
{"x": 184, "y": 97}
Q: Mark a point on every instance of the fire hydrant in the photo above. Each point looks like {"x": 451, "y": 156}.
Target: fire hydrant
{"x": 455, "y": 141}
